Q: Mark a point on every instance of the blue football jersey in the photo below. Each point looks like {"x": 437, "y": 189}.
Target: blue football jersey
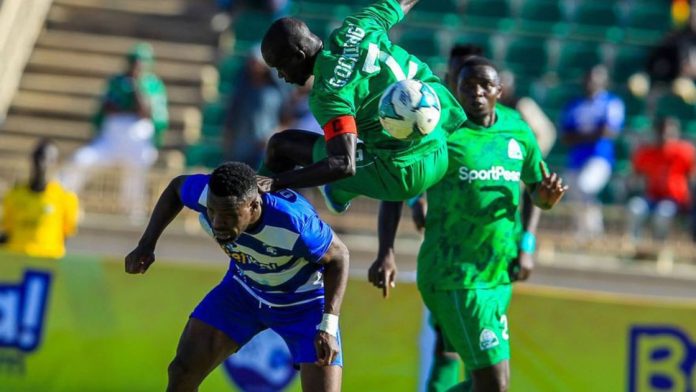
{"x": 279, "y": 261}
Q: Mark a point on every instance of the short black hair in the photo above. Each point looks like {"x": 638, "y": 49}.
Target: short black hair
{"x": 465, "y": 50}
{"x": 235, "y": 179}
{"x": 476, "y": 61}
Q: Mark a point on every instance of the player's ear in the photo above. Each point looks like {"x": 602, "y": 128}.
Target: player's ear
{"x": 300, "y": 56}
{"x": 499, "y": 90}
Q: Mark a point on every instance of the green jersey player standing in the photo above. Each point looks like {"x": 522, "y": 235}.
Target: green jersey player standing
{"x": 473, "y": 230}
{"x": 351, "y": 71}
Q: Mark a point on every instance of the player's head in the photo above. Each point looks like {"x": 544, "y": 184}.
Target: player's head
{"x": 140, "y": 58}
{"x": 234, "y": 203}
{"x": 44, "y": 158}
{"x": 596, "y": 80}
{"x": 478, "y": 88}
{"x": 666, "y": 129}
{"x": 458, "y": 54}
{"x": 290, "y": 48}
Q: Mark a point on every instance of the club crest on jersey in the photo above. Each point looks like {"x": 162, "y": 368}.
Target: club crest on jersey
{"x": 488, "y": 339}
{"x": 514, "y": 150}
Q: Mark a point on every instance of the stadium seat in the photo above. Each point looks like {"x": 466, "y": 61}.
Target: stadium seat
{"x": 213, "y": 119}
{"x": 526, "y": 57}
{"x": 482, "y": 40}
{"x": 576, "y": 58}
{"x": 557, "y": 97}
{"x": 487, "y": 14}
{"x": 540, "y": 16}
{"x": 228, "y": 68}
{"x": 597, "y": 20}
{"x": 674, "y": 105}
{"x": 628, "y": 60}
{"x": 647, "y": 24}
{"x": 440, "y": 6}
{"x": 208, "y": 154}
{"x": 250, "y": 26}
{"x": 421, "y": 42}
{"x": 320, "y": 27}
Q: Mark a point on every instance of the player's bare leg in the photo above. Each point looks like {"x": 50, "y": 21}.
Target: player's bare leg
{"x": 320, "y": 378}
{"x": 494, "y": 378}
{"x": 201, "y": 349}
{"x": 290, "y": 148}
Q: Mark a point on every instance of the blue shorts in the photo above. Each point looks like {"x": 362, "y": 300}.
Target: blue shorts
{"x": 234, "y": 311}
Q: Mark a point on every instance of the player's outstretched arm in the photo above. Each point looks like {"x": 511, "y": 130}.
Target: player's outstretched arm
{"x": 549, "y": 191}
{"x": 406, "y": 5}
{"x": 339, "y": 164}
{"x": 382, "y": 272}
{"x": 336, "y": 263}
{"x": 167, "y": 208}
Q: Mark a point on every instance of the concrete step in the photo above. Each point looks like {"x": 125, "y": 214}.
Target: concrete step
{"x": 119, "y": 45}
{"x": 104, "y": 65}
{"x": 72, "y": 108}
{"x": 152, "y": 7}
{"x": 182, "y": 28}
{"x": 54, "y": 128}
{"x": 91, "y": 87}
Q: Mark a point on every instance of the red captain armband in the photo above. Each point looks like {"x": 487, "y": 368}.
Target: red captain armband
{"x": 340, "y": 125}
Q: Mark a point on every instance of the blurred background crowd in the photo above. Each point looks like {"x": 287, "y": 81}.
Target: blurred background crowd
{"x": 609, "y": 86}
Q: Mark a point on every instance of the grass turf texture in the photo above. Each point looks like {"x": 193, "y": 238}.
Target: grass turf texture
{"x": 109, "y": 331}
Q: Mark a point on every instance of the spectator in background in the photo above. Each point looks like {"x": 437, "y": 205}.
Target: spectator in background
{"x": 666, "y": 165}
{"x": 675, "y": 56}
{"x": 589, "y": 125}
{"x": 40, "y": 214}
{"x": 254, "y": 111}
{"x": 131, "y": 119}
{"x": 542, "y": 126}
{"x": 297, "y": 114}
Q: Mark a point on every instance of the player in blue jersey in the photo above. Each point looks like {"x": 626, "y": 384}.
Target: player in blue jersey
{"x": 288, "y": 272}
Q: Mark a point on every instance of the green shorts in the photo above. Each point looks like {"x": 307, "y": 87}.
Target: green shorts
{"x": 474, "y": 323}
{"x": 383, "y": 179}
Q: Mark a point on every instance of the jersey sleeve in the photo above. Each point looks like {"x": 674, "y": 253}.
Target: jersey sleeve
{"x": 328, "y": 104}
{"x": 615, "y": 114}
{"x": 531, "y": 172}
{"x": 383, "y": 14}
{"x": 191, "y": 191}
{"x": 315, "y": 239}
{"x": 71, "y": 208}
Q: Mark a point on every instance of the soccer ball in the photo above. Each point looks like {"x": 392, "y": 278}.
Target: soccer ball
{"x": 409, "y": 109}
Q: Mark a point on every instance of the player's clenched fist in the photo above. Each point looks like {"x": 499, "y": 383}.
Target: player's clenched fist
{"x": 139, "y": 260}
{"x": 550, "y": 190}
{"x": 327, "y": 348}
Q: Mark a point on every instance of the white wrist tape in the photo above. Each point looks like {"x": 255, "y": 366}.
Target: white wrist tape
{"x": 329, "y": 324}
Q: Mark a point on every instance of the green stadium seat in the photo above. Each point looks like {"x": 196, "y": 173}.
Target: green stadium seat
{"x": 542, "y": 17}
{"x": 207, "y": 153}
{"x": 526, "y": 57}
{"x": 482, "y": 40}
{"x": 250, "y": 26}
{"x": 420, "y": 42}
{"x": 228, "y": 68}
{"x": 439, "y": 6}
{"x": 557, "y": 97}
{"x": 320, "y": 27}
{"x": 635, "y": 106}
{"x": 488, "y": 14}
{"x": 675, "y": 106}
{"x": 576, "y": 58}
{"x": 628, "y": 60}
{"x": 647, "y": 24}
{"x": 598, "y": 19}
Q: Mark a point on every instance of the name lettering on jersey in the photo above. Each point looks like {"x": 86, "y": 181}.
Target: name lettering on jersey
{"x": 514, "y": 150}
{"x": 495, "y": 173}
{"x": 349, "y": 57}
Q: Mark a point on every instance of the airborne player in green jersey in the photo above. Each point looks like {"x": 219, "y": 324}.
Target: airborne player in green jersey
{"x": 473, "y": 231}
{"x": 351, "y": 71}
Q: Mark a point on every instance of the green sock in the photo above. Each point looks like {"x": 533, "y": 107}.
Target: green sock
{"x": 444, "y": 374}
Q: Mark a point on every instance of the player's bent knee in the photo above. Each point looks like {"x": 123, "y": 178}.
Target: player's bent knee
{"x": 183, "y": 374}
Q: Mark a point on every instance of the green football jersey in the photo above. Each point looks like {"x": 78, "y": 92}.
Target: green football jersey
{"x": 357, "y": 64}
{"x": 473, "y": 226}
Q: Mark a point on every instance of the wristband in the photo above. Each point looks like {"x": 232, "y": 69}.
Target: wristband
{"x": 329, "y": 324}
{"x": 528, "y": 243}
